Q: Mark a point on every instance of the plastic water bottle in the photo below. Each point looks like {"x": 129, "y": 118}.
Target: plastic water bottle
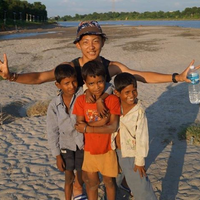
{"x": 194, "y": 86}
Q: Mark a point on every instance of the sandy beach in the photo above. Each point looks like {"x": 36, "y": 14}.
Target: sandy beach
{"x": 27, "y": 168}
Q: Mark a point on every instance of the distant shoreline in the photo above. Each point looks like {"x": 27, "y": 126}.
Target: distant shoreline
{"x": 58, "y": 24}
{"x": 10, "y": 30}
{"x": 57, "y": 30}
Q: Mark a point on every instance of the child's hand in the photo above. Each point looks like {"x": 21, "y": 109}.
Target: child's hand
{"x": 4, "y": 70}
{"x": 104, "y": 120}
{"x": 101, "y": 108}
{"x": 60, "y": 163}
{"x": 141, "y": 170}
{"x": 80, "y": 127}
{"x": 89, "y": 97}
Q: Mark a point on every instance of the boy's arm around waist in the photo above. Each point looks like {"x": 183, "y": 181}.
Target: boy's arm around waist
{"x": 83, "y": 127}
{"x": 110, "y": 127}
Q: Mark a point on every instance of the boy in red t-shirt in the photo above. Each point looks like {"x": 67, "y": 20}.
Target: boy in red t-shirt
{"x": 98, "y": 155}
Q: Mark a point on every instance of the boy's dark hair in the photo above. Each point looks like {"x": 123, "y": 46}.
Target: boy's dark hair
{"x": 93, "y": 68}
{"x": 64, "y": 71}
{"x": 124, "y": 79}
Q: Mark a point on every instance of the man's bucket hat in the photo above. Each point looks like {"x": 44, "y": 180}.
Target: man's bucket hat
{"x": 88, "y": 28}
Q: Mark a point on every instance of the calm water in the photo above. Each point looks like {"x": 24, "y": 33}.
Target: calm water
{"x": 186, "y": 24}
{"x": 23, "y": 35}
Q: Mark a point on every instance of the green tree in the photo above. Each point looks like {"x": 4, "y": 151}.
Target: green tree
{"x": 188, "y": 13}
{"x": 19, "y": 9}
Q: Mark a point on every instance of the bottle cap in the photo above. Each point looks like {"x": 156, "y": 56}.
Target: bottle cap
{"x": 192, "y": 67}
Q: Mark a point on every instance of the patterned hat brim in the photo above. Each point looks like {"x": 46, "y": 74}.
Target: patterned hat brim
{"x": 89, "y": 33}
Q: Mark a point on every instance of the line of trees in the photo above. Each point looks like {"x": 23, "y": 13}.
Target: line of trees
{"x": 188, "y": 13}
{"x": 22, "y": 10}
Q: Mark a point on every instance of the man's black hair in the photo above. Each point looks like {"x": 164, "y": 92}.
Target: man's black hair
{"x": 64, "y": 71}
{"x": 124, "y": 79}
{"x": 93, "y": 68}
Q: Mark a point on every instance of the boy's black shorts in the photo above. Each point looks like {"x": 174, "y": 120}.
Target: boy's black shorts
{"x": 72, "y": 159}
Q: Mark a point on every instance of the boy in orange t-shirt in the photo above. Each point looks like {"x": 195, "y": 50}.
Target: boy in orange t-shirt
{"x": 98, "y": 154}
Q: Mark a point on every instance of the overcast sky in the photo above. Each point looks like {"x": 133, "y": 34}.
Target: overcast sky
{"x": 72, "y": 7}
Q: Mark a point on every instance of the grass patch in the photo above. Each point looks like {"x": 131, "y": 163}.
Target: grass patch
{"x": 1, "y": 78}
{"x": 38, "y": 109}
{"x": 191, "y": 134}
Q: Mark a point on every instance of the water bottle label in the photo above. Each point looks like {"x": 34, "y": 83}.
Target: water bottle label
{"x": 194, "y": 77}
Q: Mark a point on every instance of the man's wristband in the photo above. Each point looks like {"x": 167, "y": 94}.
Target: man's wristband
{"x": 13, "y": 77}
{"x": 174, "y": 77}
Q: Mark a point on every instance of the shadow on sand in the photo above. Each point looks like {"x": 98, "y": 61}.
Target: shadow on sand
{"x": 166, "y": 117}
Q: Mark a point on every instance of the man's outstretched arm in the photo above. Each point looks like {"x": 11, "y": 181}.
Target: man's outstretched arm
{"x": 27, "y": 78}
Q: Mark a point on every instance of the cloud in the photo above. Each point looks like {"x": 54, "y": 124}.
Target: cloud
{"x": 64, "y": 1}
{"x": 115, "y": 1}
{"x": 71, "y": 7}
{"x": 177, "y": 4}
